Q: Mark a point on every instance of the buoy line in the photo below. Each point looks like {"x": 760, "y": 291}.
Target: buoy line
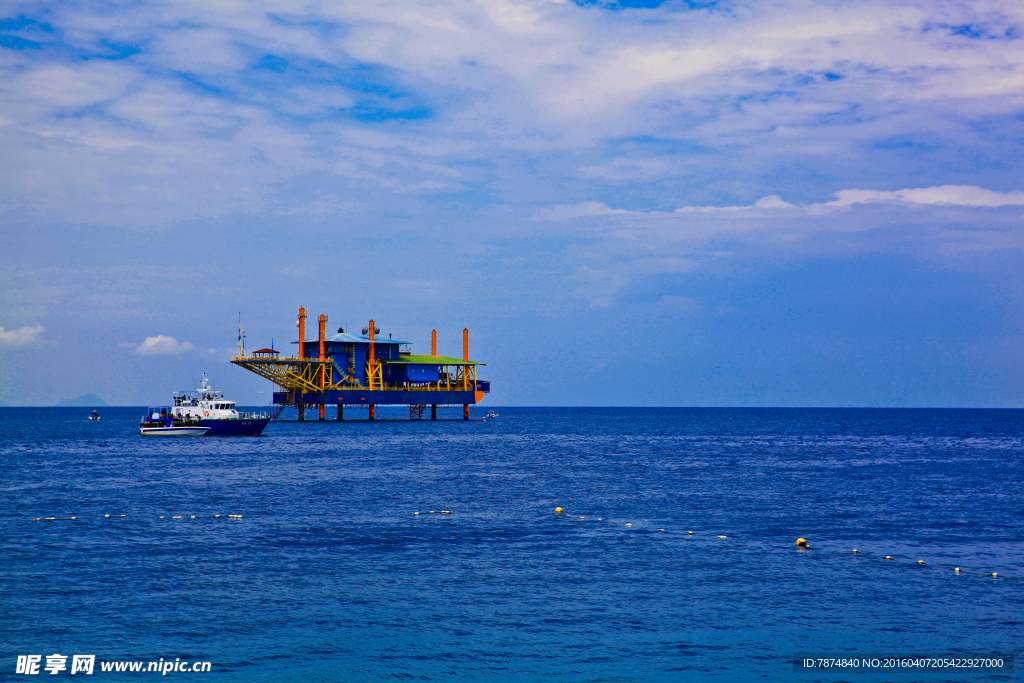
{"x": 132, "y": 517}
{"x": 801, "y": 544}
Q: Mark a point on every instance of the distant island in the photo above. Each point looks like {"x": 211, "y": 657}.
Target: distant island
{"x": 83, "y": 401}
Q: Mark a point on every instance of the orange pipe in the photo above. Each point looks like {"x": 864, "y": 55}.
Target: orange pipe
{"x": 302, "y": 338}
{"x": 465, "y": 357}
{"x": 465, "y": 370}
{"x": 370, "y": 360}
{"x": 372, "y": 337}
{"x": 323, "y": 334}
{"x": 433, "y": 352}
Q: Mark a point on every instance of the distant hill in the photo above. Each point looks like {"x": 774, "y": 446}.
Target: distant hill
{"x": 83, "y": 401}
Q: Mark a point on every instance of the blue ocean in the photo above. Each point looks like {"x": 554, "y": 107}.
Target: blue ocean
{"x": 405, "y": 550}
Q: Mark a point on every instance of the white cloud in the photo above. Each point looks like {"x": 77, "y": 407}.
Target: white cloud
{"x": 954, "y": 195}
{"x": 162, "y": 345}
{"x": 560, "y": 212}
{"x": 945, "y": 195}
{"x": 525, "y": 100}
{"x": 23, "y": 336}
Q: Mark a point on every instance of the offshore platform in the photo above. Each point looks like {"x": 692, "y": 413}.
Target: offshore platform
{"x": 363, "y": 370}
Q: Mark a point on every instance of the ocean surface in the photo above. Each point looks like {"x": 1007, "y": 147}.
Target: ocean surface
{"x": 329, "y": 575}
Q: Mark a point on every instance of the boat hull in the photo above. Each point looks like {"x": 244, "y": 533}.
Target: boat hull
{"x": 174, "y": 431}
{"x": 240, "y": 427}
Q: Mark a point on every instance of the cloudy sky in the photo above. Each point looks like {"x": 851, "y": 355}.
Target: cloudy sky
{"x": 710, "y": 203}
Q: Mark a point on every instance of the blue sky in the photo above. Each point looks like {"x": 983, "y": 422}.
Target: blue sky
{"x": 772, "y": 203}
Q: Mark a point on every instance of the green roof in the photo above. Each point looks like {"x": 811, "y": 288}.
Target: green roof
{"x": 429, "y": 360}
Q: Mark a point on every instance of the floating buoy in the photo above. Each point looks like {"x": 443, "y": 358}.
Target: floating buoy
{"x": 920, "y": 561}
{"x": 801, "y": 543}
{"x": 161, "y": 516}
{"x": 723, "y": 537}
{"x": 582, "y": 517}
{"x": 628, "y": 524}
{"x": 106, "y": 515}
{"x": 956, "y": 569}
{"x": 415, "y": 513}
{"x": 660, "y": 529}
{"x": 176, "y": 517}
{"x": 888, "y": 557}
{"x": 216, "y": 515}
{"x": 855, "y": 550}
{"x": 74, "y": 518}
{"x": 192, "y": 517}
{"x": 995, "y": 574}
{"x": 690, "y": 533}
{"x": 558, "y": 511}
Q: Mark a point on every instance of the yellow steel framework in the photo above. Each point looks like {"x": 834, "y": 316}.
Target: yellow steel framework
{"x": 374, "y": 374}
{"x": 292, "y": 374}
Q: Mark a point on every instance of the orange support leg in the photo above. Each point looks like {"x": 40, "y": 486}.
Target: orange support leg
{"x": 465, "y": 411}
{"x": 323, "y": 334}
{"x": 373, "y": 412}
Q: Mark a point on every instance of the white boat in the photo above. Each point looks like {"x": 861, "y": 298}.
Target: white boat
{"x": 94, "y": 415}
{"x": 208, "y": 408}
{"x": 492, "y": 414}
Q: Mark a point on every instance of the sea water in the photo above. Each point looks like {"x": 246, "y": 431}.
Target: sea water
{"x": 331, "y": 575}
